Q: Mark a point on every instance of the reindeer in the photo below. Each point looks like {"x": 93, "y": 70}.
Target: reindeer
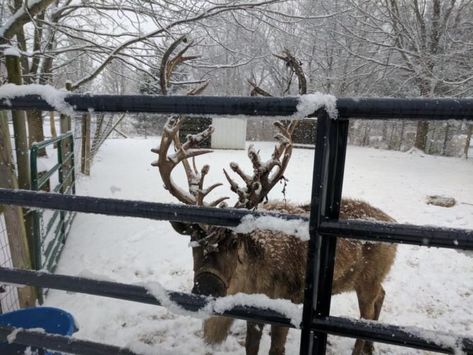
{"x": 266, "y": 262}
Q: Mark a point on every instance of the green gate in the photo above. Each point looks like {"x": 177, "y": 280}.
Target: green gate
{"x": 50, "y": 228}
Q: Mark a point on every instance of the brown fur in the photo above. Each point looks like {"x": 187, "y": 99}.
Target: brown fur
{"x": 274, "y": 264}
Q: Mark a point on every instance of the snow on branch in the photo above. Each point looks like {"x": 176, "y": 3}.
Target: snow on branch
{"x": 22, "y": 16}
{"x": 53, "y": 96}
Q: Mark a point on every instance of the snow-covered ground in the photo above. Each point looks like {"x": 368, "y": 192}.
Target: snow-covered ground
{"x": 428, "y": 287}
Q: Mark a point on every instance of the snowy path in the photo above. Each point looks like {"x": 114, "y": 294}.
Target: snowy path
{"x": 428, "y": 287}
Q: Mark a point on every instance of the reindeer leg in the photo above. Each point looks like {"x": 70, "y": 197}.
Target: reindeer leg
{"x": 370, "y": 301}
{"x": 216, "y": 329}
{"x": 253, "y": 337}
{"x": 278, "y": 340}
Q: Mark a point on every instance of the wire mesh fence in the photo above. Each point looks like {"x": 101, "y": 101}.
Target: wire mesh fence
{"x": 8, "y": 293}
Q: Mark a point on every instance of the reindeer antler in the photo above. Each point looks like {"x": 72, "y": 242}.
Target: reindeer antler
{"x": 167, "y": 162}
{"x": 296, "y": 67}
{"x": 264, "y": 178}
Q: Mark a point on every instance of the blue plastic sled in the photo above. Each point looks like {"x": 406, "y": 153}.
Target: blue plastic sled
{"x": 52, "y": 320}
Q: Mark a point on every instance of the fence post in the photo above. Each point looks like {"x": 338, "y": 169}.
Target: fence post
{"x": 85, "y": 156}
{"x": 329, "y": 161}
{"x": 65, "y": 121}
{"x": 13, "y": 215}
{"x": 19, "y": 125}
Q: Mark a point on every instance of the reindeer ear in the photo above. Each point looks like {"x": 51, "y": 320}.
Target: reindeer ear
{"x": 183, "y": 228}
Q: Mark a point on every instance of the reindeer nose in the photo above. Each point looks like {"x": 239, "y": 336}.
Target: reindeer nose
{"x": 208, "y": 284}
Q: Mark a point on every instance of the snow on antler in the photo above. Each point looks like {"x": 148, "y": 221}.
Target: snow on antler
{"x": 182, "y": 152}
{"x": 263, "y": 179}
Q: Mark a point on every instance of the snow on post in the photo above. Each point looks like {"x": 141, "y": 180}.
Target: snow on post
{"x": 310, "y": 103}
{"x": 11, "y": 51}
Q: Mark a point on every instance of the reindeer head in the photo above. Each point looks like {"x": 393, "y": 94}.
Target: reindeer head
{"x": 217, "y": 251}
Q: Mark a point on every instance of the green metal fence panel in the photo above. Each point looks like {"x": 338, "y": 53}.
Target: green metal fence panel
{"x": 50, "y": 229}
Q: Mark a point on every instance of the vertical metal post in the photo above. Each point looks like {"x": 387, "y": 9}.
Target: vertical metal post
{"x": 73, "y": 166}
{"x": 329, "y": 161}
{"x": 60, "y": 158}
{"x": 36, "y": 235}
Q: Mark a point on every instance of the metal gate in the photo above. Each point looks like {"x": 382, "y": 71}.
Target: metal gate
{"x": 50, "y": 229}
{"x": 324, "y": 226}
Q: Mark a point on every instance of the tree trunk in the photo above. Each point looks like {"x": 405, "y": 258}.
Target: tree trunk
{"x": 421, "y": 135}
{"x": 469, "y": 133}
{"x": 85, "y": 156}
{"x": 401, "y": 135}
{"x": 19, "y": 126}
{"x": 35, "y": 129}
{"x": 65, "y": 121}
{"x": 445, "y": 139}
{"x": 52, "y": 124}
{"x": 20, "y": 253}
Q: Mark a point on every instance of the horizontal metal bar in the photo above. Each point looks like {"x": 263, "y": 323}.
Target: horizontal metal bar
{"x": 333, "y": 325}
{"x": 134, "y": 293}
{"x": 414, "y": 108}
{"x": 367, "y": 108}
{"x": 199, "y": 105}
{"x": 44, "y": 178}
{"x": 391, "y": 334}
{"x": 400, "y": 233}
{"x": 228, "y": 217}
{"x": 45, "y": 143}
{"x": 60, "y": 343}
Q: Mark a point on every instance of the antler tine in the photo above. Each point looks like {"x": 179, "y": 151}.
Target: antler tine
{"x": 257, "y": 90}
{"x": 263, "y": 179}
{"x": 218, "y": 201}
{"x": 296, "y": 67}
{"x": 242, "y": 193}
{"x": 167, "y": 162}
{"x": 236, "y": 168}
{"x": 198, "y": 90}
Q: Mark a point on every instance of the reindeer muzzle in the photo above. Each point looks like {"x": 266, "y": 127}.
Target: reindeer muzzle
{"x": 209, "y": 284}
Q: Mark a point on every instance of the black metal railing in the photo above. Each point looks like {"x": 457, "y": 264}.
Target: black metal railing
{"x": 324, "y": 226}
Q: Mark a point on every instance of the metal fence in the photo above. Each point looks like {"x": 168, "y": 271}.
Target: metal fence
{"x": 324, "y": 226}
{"x": 50, "y": 230}
{"x": 8, "y": 293}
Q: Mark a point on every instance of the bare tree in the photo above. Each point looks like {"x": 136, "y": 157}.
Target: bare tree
{"x": 424, "y": 40}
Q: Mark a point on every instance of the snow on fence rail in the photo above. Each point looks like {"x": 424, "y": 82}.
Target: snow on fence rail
{"x": 243, "y": 221}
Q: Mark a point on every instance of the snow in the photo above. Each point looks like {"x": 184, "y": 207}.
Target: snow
{"x": 222, "y": 304}
{"x": 285, "y": 307}
{"x": 12, "y": 336}
{"x": 12, "y": 51}
{"x": 296, "y": 227}
{"x": 428, "y": 287}
{"x": 51, "y": 95}
{"x": 310, "y": 103}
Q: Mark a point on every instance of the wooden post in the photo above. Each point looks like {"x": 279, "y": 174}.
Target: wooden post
{"x": 85, "y": 156}
{"x": 65, "y": 123}
{"x": 19, "y": 126}
{"x": 66, "y": 120}
{"x": 16, "y": 232}
{"x": 52, "y": 124}
{"x": 469, "y": 133}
